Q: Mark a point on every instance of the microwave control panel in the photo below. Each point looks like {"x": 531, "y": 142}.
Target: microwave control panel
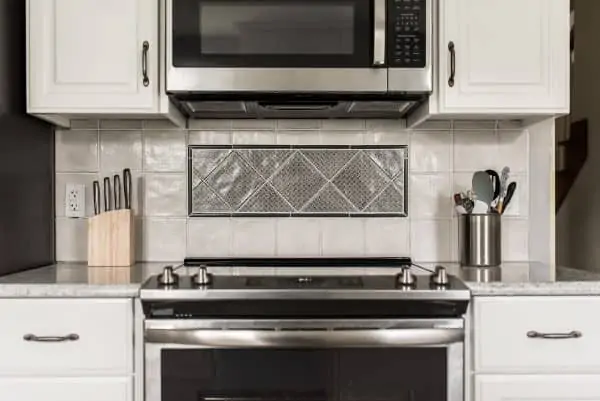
{"x": 407, "y": 28}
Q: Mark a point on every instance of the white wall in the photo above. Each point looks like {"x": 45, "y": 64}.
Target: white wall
{"x": 443, "y": 158}
{"x": 578, "y": 221}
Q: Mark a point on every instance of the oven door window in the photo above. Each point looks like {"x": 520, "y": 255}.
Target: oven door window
{"x": 356, "y": 374}
{"x": 272, "y": 33}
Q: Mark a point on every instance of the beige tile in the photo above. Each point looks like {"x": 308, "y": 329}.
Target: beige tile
{"x": 387, "y": 237}
{"x": 165, "y": 195}
{"x": 61, "y": 182}
{"x": 443, "y": 125}
{"x": 298, "y": 237}
{"x": 298, "y": 124}
{"x": 343, "y": 125}
{"x": 76, "y": 151}
{"x": 342, "y": 236}
{"x": 299, "y": 137}
{"x": 399, "y": 137}
{"x": 478, "y": 125}
{"x": 475, "y": 150}
{"x": 160, "y": 125}
{"x": 513, "y": 150}
{"x": 120, "y": 149}
{"x": 386, "y": 125}
{"x": 165, "y": 151}
{"x": 253, "y": 124}
{"x": 209, "y": 237}
{"x": 202, "y": 125}
{"x": 515, "y": 240}
{"x": 210, "y": 138}
{"x": 163, "y": 240}
{"x": 71, "y": 240}
{"x": 342, "y": 137}
{"x": 254, "y": 137}
{"x": 431, "y": 151}
{"x": 121, "y": 124}
{"x": 430, "y": 195}
{"x": 430, "y": 240}
{"x": 254, "y": 237}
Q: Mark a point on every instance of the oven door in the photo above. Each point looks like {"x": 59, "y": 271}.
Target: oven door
{"x": 367, "y": 360}
{"x": 276, "y": 46}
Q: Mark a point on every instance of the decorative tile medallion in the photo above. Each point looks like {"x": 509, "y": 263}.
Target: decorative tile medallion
{"x": 268, "y": 181}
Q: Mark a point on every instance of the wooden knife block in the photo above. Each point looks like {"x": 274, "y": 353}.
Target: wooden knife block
{"x": 111, "y": 239}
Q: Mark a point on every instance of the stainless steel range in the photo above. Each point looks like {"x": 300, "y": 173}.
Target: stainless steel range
{"x": 391, "y": 337}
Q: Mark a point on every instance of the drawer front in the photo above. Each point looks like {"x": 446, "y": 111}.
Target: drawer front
{"x": 509, "y": 334}
{"x": 67, "y": 389}
{"x": 537, "y": 388}
{"x": 101, "y": 339}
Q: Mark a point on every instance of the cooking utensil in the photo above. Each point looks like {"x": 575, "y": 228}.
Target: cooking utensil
{"x": 127, "y": 187}
{"x": 512, "y": 187}
{"x": 107, "y": 195}
{"x": 96, "y": 194}
{"x": 117, "y": 191}
{"x": 496, "y": 183}
{"x": 504, "y": 177}
{"x": 482, "y": 186}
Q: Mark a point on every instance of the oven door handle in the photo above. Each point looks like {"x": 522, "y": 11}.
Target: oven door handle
{"x": 306, "y": 338}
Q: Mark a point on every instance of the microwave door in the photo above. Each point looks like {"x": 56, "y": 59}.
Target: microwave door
{"x": 284, "y": 46}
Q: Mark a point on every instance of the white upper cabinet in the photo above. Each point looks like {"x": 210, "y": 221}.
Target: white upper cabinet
{"x": 504, "y": 57}
{"x": 91, "y": 56}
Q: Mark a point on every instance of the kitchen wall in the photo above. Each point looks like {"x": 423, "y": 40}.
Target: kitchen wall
{"x": 443, "y": 157}
{"x": 578, "y": 221}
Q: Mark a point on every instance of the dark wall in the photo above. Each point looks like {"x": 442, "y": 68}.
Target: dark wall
{"x": 26, "y": 157}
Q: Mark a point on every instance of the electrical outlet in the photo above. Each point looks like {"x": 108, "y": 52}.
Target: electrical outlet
{"x": 75, "y": 200}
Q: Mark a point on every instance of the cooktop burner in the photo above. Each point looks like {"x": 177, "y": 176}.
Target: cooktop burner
{"x": 202, "y": 294}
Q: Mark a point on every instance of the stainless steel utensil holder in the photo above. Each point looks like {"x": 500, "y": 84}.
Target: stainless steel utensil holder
{"x": 480, "y": 240}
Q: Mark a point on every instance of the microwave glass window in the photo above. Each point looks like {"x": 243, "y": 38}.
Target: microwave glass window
{"x": 272, "y": 33}
{"x": 238, "y": 28}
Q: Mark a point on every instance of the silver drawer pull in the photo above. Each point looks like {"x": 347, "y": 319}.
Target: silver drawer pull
{"x": 554, "y": 336}
{"x": 51, "y": 339}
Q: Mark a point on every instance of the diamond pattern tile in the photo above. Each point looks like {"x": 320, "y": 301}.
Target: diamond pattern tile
{"x": 234, "y": 180}
{"x": 360, "y": 181}
{"x": 391, "y": 200}
{"x": 265, "y": 161}
{"x": 298, "y": 181}
{"x": 329, "y": 200}
{"x": 205, "y": 160}
{"x": 231, "y": 180}
{"x": 266, "y": 200}
{"x": 204, "y": 200}
{"x": 391, "y": 161}
{"x": 329, "y": 161}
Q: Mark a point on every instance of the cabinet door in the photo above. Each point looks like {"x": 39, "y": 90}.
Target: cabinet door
{"x": 537, "y": 388}
{"x": 66, "y": 389}
{"x": 511, "y": 56}
{"x": 87, "y": 55}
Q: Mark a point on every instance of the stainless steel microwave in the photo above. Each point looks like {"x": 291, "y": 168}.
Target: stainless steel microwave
{"x": 334, "y": 47}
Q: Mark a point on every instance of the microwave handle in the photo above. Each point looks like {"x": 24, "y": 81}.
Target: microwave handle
{"x": 379, "y": 33}
{"x": 305, "y": 338}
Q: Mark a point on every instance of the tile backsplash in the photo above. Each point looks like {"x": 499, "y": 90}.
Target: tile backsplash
{"x": 442, "y": 157}
{"x": 297, "y": 181}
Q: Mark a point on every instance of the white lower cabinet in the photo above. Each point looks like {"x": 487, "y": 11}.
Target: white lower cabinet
{"x": 536, "y": 349}
{"x": 537, "y": 387}
{"x": 66, "y": 389}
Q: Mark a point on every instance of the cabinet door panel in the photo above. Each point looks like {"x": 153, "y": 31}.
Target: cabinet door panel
{"x": 537, "y": 388}
{"x": 87, "y": 54}
{"x": 510, "y": 54}
{"x": 66, "y": 389}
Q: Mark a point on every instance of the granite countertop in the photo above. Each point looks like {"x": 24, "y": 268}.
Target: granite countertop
{"x": 67, "y": 280}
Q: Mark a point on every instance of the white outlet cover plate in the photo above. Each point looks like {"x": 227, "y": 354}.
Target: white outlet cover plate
{"x": 75, "y": 200}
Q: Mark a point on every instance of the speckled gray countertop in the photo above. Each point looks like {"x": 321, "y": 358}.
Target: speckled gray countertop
{"x": 67, "y": 280}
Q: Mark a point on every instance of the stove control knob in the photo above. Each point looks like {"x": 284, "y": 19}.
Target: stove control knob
{"x": 440, "y": 276}
{"x": 168, "y": 277}
{"x": 203, "y": 277}
{"x": 405, "y": 278}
